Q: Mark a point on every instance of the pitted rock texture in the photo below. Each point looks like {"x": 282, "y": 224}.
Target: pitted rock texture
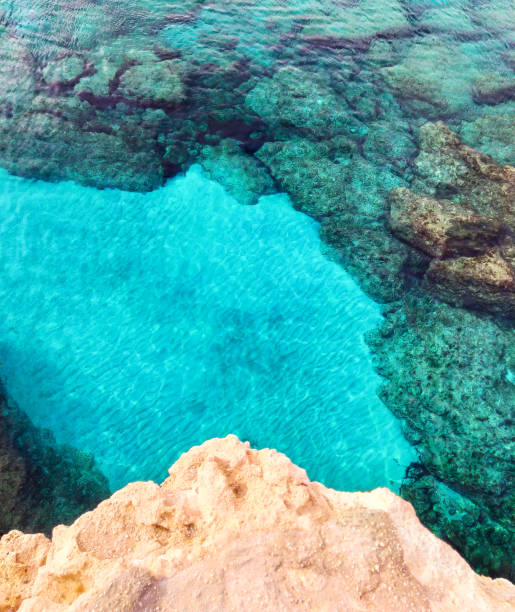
{"x": 233, "y": 528}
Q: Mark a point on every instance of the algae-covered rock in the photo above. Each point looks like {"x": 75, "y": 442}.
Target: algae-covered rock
{"x": 41, "y": 483}
{"x": 305, "y": 170}
{"x": 492, "y": 134}
{"x": 470, "y": 237}
{"x": 446, "y": 378}
{"x": 153, "y": 82}
{"x": 292, "y": 98}
{"x": 52, "y": 149}
{"x": 426, "y": 81}
{"x": 64, "y": 70}
{"x": 240, "y": 173}
{"x": 17, "y": 79}
{"x": 486, "y": 282}
{"x": 446, "y": 166}
{"x": 331, "y": 182}
{"x": 364, "y": 19}
{"x": 467, "y": 526}
{"x": 442, "y": 17}
{"x": 388, "y": 144}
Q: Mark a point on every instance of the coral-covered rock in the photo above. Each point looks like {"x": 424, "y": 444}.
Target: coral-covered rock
{"x": 234, "y": 527}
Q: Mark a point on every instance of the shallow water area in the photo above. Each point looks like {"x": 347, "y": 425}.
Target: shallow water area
{"x": 139, "y": 325}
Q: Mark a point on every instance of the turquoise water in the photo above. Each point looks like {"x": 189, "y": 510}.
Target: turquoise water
{"x": 138, "y": 325}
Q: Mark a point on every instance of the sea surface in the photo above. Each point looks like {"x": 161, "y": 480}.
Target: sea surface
{"x": 139, "y": 325}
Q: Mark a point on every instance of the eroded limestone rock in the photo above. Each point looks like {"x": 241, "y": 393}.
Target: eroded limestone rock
{"x": 234, "y": 527}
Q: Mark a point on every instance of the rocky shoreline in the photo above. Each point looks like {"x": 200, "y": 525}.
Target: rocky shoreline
{"x": 373, "y": 127}
{"x": 233, "y": 527}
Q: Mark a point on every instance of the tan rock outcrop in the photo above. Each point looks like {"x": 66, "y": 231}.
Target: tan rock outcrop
{"x": 470, "y": 238}
{"x": 441, "y": 228}
{"x": 488, "y": 280}
{"x": 234, "y": 528}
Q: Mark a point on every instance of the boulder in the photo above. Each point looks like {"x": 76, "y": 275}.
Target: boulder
{"x": 233, "y": 528}
{"x": 486, "y": 282}
{"x": 441, "y": 228}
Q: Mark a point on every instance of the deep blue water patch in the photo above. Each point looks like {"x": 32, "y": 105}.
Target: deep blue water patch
{"x": 137, "y": 325}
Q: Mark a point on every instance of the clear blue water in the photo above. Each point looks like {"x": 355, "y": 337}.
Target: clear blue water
{"x": 137, "y": 325}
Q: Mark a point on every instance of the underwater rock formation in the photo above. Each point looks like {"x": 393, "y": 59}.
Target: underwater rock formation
{"x": 447, "y": 376}
{"x": 446, "y": 167}
{"x": 232, "y": 527}
{"x": 331, "y": 182}
{"x": 242, "y": 175}
{"x": 42, "y": 483}
{"x": 471, "y": 238}
{"x": 441, "y": 228}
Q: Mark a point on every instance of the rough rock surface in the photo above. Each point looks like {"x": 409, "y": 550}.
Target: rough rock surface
{"x": 441, "y": 228}
{"x": 242, "y": 175}
{"x": 470, "y": 238}
{"x": 446, "y": 167}
{"x": 233, "y": 527}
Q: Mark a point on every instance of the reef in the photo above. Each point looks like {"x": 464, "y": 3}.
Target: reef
{"x": 42, "y": 483}
{"x": 232, "y": 527}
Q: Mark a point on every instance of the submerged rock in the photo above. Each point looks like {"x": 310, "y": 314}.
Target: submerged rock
{"x": 486, "y": 282}
{"x": 362, "y": 20}
{"x": 294, "y": 98}
{"x": 234, "y": 527}
{"x": 471, "y": 239}
{"x": 155, "y": 82}
{"x": 492, "y": 134}
{"x": 446, "y": 167}
{"x": 331, "y": 182}
{"x": 446, "y": 373}
{"x": 425, "y": 81}
{"x": 42, "y": 483}
{"x": 240, "y": 173}
{"x": 441, "y": 228}
{"x": 52, "y": 149}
